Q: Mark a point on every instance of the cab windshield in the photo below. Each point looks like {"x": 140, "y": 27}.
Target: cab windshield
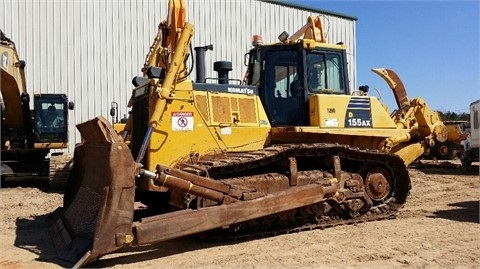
{"x": 324, "y": 73}
{"x": 50, "y": 122}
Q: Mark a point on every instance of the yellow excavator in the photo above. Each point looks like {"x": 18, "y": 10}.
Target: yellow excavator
{"x": 290, "y": 148}
{"x": 29, "y": 136}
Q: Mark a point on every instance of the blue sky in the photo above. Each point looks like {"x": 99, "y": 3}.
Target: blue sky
{"x": 432, "y": 45}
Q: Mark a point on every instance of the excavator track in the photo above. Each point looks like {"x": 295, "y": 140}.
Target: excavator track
{"x": 60, "y": 166}
{"x": 248, "y": 165}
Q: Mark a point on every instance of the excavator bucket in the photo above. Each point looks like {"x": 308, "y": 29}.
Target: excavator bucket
{"x": 99, "y": 201}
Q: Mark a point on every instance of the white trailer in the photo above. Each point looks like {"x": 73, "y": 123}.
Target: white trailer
{"x": 471, "y": 146}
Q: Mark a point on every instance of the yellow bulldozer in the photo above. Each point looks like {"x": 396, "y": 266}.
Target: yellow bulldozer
{"x": 290, "y": 148}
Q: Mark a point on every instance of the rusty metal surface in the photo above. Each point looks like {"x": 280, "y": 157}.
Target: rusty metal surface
{"x": 100, "y": 212}
{"x": 288, "y": 187}
{"x": 315, "y": 156}
{"x": 188, "y": 187}
{"x": 253, "y": 174}
{"x": 377, "y": 184}
{"x": 294, "y": 221}
{"x": 195, "y": 221}
{"x": 388, "y": 184}
{"x": 198, "y": 180}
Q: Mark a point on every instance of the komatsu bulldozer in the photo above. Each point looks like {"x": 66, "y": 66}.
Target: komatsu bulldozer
{"x": 28, "y": 136}
{"x": 290, "y": 148}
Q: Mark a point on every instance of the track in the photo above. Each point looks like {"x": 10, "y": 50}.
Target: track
{"x": 385, "y": 211}
{"x": 260, "y": 169}
{"x": 60, "y": 166}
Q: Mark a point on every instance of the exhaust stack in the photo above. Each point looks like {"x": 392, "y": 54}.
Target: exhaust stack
{"x": 200, "y": 59}
{"x": 222, "y": 67}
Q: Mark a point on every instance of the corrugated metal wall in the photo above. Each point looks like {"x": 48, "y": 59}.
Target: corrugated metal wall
{"x": 91, "y": 49}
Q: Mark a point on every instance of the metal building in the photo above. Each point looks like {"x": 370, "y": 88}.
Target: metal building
{"x": 91, "y": 50}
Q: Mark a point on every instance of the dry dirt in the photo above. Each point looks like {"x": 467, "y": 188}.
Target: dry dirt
{"x": 437, "y": 228}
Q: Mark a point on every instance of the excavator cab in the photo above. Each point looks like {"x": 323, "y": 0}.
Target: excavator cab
{"x": 51, "y": 118}
{"x": 287, "y": 75}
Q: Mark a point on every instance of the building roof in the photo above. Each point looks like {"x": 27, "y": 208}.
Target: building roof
{"x": 309, "y": 8}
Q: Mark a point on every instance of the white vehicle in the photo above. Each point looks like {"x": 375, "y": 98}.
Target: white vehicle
{"x": 471, "y": 146}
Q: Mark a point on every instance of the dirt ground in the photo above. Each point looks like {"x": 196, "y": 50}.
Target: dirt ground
{"x": 437, "y": 228}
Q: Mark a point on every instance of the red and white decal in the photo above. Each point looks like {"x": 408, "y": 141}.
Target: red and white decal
{"x": 182, "y": 121}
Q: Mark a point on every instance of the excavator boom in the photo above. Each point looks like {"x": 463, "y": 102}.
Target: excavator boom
{"x": 15, "y": 108}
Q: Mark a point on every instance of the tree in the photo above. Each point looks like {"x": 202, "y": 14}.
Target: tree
{"x": 452, "y": 116}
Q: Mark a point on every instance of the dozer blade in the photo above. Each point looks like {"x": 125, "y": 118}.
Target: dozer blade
{"x": 98, "y": 205}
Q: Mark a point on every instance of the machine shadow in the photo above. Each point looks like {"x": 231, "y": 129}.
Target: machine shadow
{"x": 26, "y": 182}
{"x": 159, "y": 250}
{"x": 449, "y": 170}
{"x": 468, "y": 211}
{"x": 41, "y": 183}
{"x": 32, "y": 234}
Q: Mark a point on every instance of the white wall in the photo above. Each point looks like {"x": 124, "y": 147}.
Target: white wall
{"x": 91, "y": 49}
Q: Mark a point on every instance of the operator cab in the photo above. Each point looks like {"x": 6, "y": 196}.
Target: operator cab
{"x": 51, "y": 117}
{"x": 287, "y": 75}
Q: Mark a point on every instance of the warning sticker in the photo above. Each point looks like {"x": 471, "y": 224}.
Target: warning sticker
{"x": 182, "y": 121}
